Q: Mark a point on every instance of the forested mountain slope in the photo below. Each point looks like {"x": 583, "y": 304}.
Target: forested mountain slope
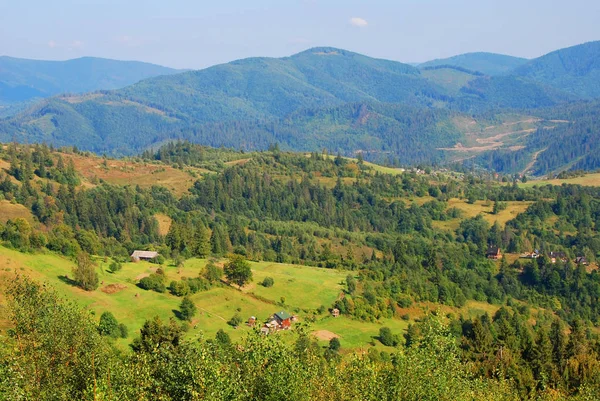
{"x": 575, "y": 69}
{"x": 23, "y": 79}
{"x": 485, "y": 63}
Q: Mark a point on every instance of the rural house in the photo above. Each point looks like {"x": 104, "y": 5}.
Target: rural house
{"x": 283, "y": 319}
{"x": 335, "y": 312}
{"x": 136, "y": 256}
{"x": 494, "y": 253}
{"x": 581, "y": 260}
{"x": 554, "y": 256}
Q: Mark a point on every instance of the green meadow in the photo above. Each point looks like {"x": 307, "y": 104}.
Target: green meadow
{"x": 303, "y": 288}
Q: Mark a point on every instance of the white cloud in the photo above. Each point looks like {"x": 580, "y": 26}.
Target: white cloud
{"x": 358, "y": 22}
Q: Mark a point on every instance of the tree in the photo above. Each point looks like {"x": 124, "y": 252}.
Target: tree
{"x": 238, "y": 271}
{"x": 222, "y": 338}
{"x": 351, "y": 284}
{"x": 334, "y": 344}
{"x": 84, "y": 272}
{"x": 201, "y": 244}
{"x": 187, "y": 309}
{"x": 155, "y": 334}
{"x": 212, "y": 272}
{"x": 387, "y": 338}
{"x": 108, "y": 325}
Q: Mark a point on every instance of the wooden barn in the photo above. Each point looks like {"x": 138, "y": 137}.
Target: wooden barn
{"x": 136, "y": 256}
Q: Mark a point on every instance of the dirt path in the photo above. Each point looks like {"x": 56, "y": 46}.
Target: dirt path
{"x": 213, "y": 314}
{"x": 533, "y": 160}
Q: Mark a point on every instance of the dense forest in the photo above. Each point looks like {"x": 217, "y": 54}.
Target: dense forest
{"x": 316, "y": 210}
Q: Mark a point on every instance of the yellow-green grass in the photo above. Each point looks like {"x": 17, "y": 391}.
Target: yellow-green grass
{"x": 357, "y": 334}
{"x": 308, "y": 289}
{"x": 485, "y": 209}
{"x": 12, "y": 211}
{"x": 301, "y": 286}
{"x": 164, "y": 223}
{"x": 590, "y": 180}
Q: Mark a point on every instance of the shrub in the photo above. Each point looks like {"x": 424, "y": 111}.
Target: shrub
{"x": 235, "y": 321}
{"x": 268, "y": 282}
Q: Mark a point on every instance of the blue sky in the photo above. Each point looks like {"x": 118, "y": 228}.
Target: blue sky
{"x": 197, "y": 34}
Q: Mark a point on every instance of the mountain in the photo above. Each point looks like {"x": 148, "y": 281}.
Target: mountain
{"x": 22, "y": 79}
{"x": 575, "y": 69}
{"x": 322, "y": 97}
{"x": 485, "y": 63}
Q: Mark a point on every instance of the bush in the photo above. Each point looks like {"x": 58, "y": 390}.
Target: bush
{"x": 123, "y": 331}
{"x": 108, "y": 325}
{"x": 404, "y": 301}
{"x": 268, "y": 282}
{"x": 235, "y": 321}
{"x": 153, "y": 282}
{"x": 387, "y": 338}
{"x": 115, "y": 267}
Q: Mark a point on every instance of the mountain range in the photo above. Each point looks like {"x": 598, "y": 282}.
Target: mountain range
{"x": 23, "y": 79}
{"x": 480, "y": 107}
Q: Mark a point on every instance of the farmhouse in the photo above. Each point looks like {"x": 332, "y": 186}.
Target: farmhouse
{"x": 494, "y": 253}
{"x": 335, "y": 312}
{"x": 136, "y": 256}
{"x": 283, "y": 319}
{"x": 554, "y": 256}
{"x": 581, "y": 260}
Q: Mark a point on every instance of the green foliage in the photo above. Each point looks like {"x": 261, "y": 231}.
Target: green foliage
{"x": 187, "y": 309}
{"x": 235, "y": 320}
{"x": 212, "y": 272}
{"x": 84, "y": 272}
{"x": 237, "y": 270}
{"x": 267, "y": 282}
{"x": 108, "y": 325}
{"x": 115, "y": 267}
{"x": 154, "y": 282}
{"x": 387, "y": 338}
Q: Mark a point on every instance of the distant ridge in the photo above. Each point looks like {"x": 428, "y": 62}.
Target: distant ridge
{"x": 23, "y": 79}
{"x": 486, "y": 63}
{"x": 574, "y": 69}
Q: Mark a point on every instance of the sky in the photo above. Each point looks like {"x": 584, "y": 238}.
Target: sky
{"x": 198, "y": 33}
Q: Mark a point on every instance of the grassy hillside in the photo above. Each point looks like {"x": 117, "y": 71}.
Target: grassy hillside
{"x": 575, "y": 69}
{"x": 304, "y": 289}
{"x": 22, "y": 79}
{"x": 486, "y": 63}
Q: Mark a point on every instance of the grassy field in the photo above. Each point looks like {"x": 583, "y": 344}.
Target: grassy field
{"x": 126, "y": 172}
{"x": 484, "y": 208}
{"x": 590, "y": 180}
{"x": 11, "y": 211}
{"x": 304, "y": 289}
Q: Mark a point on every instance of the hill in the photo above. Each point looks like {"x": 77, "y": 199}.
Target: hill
{"x": 321, "y": 97}
{"x": 575, "y": 69}
{"x": 486, "y": 63}
{"x": 397, "y": 255}
{"x": 22, "y": 79}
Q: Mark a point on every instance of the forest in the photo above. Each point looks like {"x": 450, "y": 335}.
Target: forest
{"x": 388, "y": 233}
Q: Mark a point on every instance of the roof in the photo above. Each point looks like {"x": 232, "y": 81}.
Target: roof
{"x": 144, "y": 254}
{"x": 493, "y": 250}
{"x": 283, "y": 315}
{"x": 558, "y": 255}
